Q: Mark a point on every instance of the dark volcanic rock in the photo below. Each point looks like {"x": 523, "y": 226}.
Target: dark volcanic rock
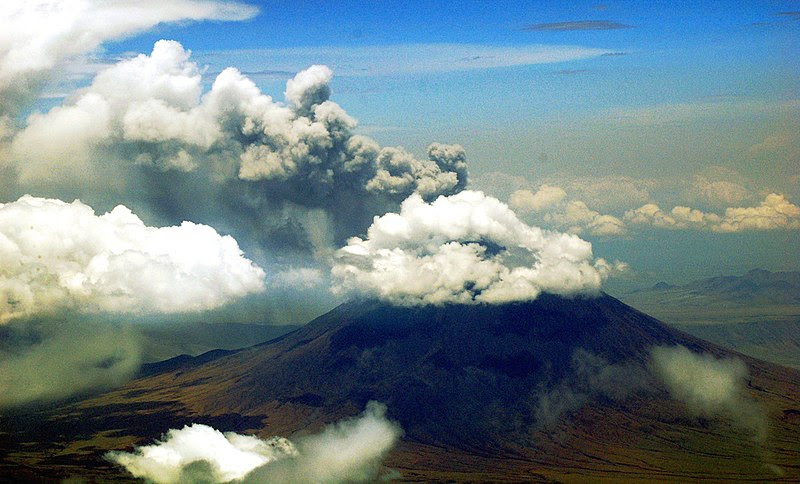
{"x": 448, "y": 374}
{"x": 466, "y": 383}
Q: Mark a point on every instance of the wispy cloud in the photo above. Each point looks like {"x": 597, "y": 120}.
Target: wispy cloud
{"x": 577, "y": 25}
{"x": 572, "y": 72}
{"x": 677, "y": 113}
{"x": 792, "y": 15}
{"x": 786, "y": 18}
{"x": 383, "y": 60}
{"x": 709, "y": 386}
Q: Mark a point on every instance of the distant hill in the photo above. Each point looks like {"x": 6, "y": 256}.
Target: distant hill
{"x": 757, "y": 286}
{"x": 163, "y": 341}
{"x": 757, "y": 313}
{"x": 552, "y": 389}
{"x": 758, "y": 295}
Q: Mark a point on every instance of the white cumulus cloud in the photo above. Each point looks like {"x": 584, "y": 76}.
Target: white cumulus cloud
{"x": 37, "y": 36}
{"x": 464, "y": 248}
{"x": 718, "y": 191}
{"x": 62, "y": 255}
{"x": 576, "y": 217}
{"x": 773, "y": 213}
{"x": 524, "y": 201}
{"x": 549, "y": 203}
{"x": 230, "y": 456}
{"x": 348, "y": 451}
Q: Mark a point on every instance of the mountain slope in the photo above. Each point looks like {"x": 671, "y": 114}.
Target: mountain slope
{"x": 553, "y": 388}
{"x": 162, "y": 341}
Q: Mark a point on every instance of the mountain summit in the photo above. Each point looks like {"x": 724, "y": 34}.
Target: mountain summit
{"x": 552, "y": 388}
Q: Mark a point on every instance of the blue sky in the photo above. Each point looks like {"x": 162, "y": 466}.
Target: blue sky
{"x": 667, "y": 99}
{"x": 141, "y": 182}
{"x": 735, "y": 60}
{"x": 681, "y": 52}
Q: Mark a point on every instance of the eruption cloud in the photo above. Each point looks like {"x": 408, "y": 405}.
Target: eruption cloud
{"x": 145, "y": 133}
{"x": 289, "y": 181}
{"x": 348, "y": 451}
{"x": 465, "y": 248}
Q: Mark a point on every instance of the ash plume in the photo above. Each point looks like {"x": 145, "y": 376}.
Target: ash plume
{"x": 145, "y": 134}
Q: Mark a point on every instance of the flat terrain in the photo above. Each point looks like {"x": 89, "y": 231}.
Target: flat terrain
{"x": 775, "y": 341}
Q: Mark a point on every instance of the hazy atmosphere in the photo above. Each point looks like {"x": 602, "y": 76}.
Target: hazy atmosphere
{"x": 668, "y": 131}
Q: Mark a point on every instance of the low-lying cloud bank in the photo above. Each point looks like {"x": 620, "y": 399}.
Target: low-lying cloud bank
{"x": 465, "y": 248}
{"x": 774, "y": 212}
{"x": 58, "y": 256}
{"x": 52, "y": 359}
{"x": 348, "y": 451}
{"x": 551, "y": 205}
{"x": 709, "y": 387}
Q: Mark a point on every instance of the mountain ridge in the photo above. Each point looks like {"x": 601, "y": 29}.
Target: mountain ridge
{"x": 778, "y": 287}
{"x": 467, "y": 385}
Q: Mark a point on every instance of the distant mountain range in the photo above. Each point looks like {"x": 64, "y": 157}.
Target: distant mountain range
{"x": 552, "y": 389}
{"x": 757, "y": 313}
{"x": 756, "y": 286}
{"x": 163, "y": 341}
{"x": 757, "y": 296}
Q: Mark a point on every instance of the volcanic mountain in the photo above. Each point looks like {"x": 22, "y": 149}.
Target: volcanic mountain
{"x": 555, "y": 388}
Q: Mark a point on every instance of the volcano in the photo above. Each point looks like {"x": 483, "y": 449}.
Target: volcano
{"x": 555, "y": 388}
